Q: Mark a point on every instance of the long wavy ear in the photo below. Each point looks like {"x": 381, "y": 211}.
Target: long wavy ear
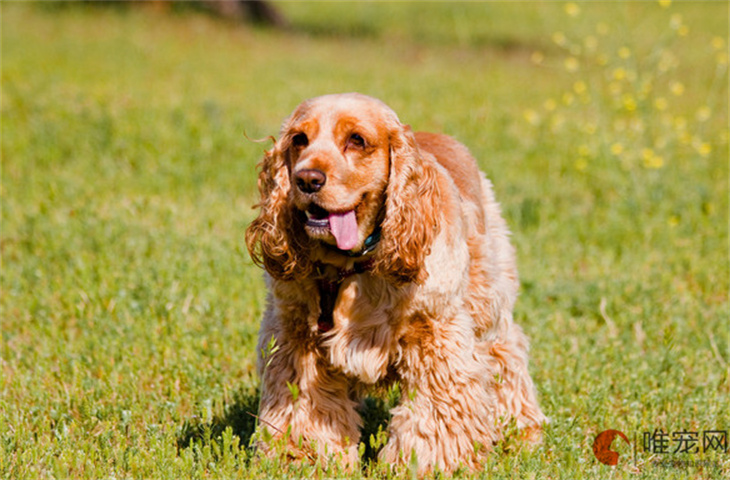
{"x": 275, "y": 239}
{"x": 411, "y": 212}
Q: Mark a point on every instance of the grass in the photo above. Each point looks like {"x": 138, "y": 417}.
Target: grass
{"x": 129, "y": 306}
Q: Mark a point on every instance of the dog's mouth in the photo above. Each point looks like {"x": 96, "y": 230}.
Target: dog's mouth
{"x": 342, "y": 225}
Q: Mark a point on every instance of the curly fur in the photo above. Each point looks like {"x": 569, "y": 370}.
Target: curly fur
{"x": 412, "y": 201}
{"x": 432, "y": 310}
{"x": 275, "y": 238}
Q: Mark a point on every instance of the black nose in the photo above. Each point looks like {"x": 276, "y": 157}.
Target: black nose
{"x": 310, "y": 180}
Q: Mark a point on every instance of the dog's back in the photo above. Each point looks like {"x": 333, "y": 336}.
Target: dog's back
{"x": 457, "y": 160}
{"x": 493, "y": 274}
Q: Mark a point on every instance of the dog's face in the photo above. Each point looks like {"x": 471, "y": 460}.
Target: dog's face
{"x": 338, "y": 153}
{"x": 344, "y": 167}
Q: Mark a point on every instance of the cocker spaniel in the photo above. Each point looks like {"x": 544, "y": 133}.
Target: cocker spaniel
{"x": 387, "y": 260}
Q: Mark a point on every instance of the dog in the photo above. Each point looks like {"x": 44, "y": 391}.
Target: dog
{"x": 387, "y": 260}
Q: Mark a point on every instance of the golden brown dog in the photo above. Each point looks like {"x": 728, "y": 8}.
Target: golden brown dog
{"x": 387, "y": 259}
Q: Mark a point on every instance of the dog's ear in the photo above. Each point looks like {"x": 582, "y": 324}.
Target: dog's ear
{"x": 276, "y": 239}
{"x": 411, "y": 215}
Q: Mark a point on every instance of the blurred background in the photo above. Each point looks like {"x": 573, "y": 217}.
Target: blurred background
{"x": 130, "y": 308}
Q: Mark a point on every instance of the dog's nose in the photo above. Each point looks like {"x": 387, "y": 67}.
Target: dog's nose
{"x": 310, "y": 180}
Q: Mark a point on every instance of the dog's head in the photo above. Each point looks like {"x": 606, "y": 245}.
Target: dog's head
{"x": 343, "y": 172}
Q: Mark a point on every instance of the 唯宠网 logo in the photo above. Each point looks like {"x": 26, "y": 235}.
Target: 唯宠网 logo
{"x": 680, "y": 448}
{"x": 602, "y": 446}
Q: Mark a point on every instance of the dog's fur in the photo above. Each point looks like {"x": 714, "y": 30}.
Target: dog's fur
{"x": 430, "y": 307}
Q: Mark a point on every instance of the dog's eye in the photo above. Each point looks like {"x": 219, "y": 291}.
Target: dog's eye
{"x": 300, "y": 140}
{"x": 356, "y": 141}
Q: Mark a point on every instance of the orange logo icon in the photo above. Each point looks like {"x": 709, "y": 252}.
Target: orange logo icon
{"x": 602, "y": 446}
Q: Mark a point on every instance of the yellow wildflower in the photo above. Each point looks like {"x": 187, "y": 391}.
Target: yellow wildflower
{"x": 661, "y": 103}
{"x": 619, "y": 73}
{"x": 667, "y": 61}
{"x": 703, "y": 148}
{"x": 624, "y": 52}
{"x": 718, "y": 43}
{"x": 531, "y": 116}
{"x": 629, "y": 102}
{"x": 580, "y": 87}
{"x": 677, "y": 88}
{"x": 560, "y": 39}
{"x": 652, "y": 160}
{"x": 704, "y": 113}
{"x": 572, "y": 9}
{"x": 665, "y": 3}
{"x": 617, "y": 149}
{"x": 581, "y": 164}
{"x": 655, "y": 162}
{"x": 557, "y": 122}
{"x": 550, "y": 104}
{"x": 571, "y": 64}
{"x": 673, "y": 220}
{"x": 675, "y": 21}
{"x": 637, "y": 125}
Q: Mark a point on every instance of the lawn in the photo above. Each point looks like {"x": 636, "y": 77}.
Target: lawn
{"x": 130, "y": 307}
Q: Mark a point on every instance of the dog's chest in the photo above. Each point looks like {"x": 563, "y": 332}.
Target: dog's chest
{"x": 329, "y": 287}
{"x": 360, "y": 338}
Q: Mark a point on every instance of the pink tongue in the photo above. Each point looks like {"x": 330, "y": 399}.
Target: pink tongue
{"x": 344, "y": 227}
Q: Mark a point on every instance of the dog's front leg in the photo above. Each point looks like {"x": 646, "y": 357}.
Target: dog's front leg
{"x": 305, "y": 404}
{"x": 447, "y": 415}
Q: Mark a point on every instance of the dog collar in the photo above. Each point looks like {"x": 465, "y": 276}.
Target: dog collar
{"x": 328, "y": 290}
{"x": 368, "y": 246}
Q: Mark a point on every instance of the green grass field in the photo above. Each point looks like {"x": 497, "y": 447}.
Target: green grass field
{"x": 130, "y": 307}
